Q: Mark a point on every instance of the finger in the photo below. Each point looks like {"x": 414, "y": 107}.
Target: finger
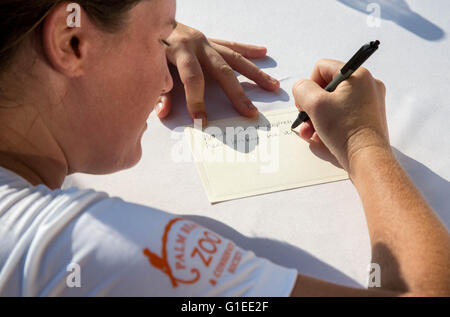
{"x": 316, "y": 138}
{"x": 307, "y": 130}
{"x": 325, "y": 70}
{"x": 163, "y": 106}
{"x": 320, "y": 150}
{"x": 192, "y": 77}
{"x": 245, "y": 67}
{"x": 307, "y": 95}
{"x": 247, "y": 50}
{"x": 224, "y": 74}
{"x": 382, "y": 88}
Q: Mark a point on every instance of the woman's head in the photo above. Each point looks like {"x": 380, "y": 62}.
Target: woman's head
{"x": 89, "y": 88}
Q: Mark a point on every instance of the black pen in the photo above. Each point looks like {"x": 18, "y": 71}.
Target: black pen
{"x": 353, "y": 64}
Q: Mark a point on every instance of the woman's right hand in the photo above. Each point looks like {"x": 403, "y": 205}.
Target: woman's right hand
{"x": 348, "y": 120}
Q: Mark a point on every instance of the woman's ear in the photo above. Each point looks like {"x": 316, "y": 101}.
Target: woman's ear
{"x": 65, "y": 44}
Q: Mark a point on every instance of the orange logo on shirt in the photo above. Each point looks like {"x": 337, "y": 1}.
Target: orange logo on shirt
{"x": 162, "y": 263}
{"x": 184, "y": 261}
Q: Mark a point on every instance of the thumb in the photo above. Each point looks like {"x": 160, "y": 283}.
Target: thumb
{"x": 325, "y": 70}
{"x": 163, "y": 106}
{"x": 307, "y": 94}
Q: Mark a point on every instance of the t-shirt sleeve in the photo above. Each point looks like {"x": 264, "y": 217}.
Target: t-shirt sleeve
{"x": 115, "y": 248}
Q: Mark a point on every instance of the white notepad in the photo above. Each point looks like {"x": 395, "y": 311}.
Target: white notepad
{"x": 240, "y": 157}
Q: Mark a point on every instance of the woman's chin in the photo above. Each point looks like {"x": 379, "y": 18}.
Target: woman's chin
{"x": 130, "y": 159}
{"x": 136, "y": 157}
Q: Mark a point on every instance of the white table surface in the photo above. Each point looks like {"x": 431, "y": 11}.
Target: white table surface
{"x": 319, "y": 230}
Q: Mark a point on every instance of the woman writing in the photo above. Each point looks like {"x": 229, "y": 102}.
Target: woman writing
{"x": 76, "y": 99}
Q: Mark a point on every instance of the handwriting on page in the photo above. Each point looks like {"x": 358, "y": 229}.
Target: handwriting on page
{"x": 238, "y": 157}
{"x": 240, "y": 138}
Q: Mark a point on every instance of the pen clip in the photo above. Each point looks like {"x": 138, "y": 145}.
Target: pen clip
{"x": 360, "y": 57}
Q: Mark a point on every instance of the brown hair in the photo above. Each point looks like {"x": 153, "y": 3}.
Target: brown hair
{"x": 21, "y": 18}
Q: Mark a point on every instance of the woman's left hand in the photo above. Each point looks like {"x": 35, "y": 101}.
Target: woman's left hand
{"x": 192, "y": 53}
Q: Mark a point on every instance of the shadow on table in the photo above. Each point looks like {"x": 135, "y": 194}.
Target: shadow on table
{"x": 218, "y": 105}
{"x": 255, "y": 93}
{"x": 267, "y": 62}
{"x": 399, "y": 12}
{"x": 433, "y": 187}
{"x": 278, "y": 252}
{"x": 241, "y": 137}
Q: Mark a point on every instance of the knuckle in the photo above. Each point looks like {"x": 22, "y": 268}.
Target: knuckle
{"x": 365, "y": 73}
{"x": 188, "y": 69}
{"x": 188, "y": 62}
{"x": 226, "y": 69}
{"x": 381, "y": 84}
{"x": 198, "y": 36}
{"x": 192, "y": 79}
{"x": 321, "y": 62}
{"x": 183, "y": 40}
{"x": 317, "y": 100}
{"x": 233, "y": 45}
{"x": 316, "y": 105}
{"x": 214, "y": 57}
{"x": 236, "y": 57}
{"x": 196, "y": 106}
{"x": 298, "y": 85}
{"x": 261, "y": 74}
{"x": 191, "y": 36}
{"x": 240, "y": 95}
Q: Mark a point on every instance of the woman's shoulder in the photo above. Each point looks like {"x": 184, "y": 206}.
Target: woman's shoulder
{"x": 39, "y": 225}
{"x": 18, "y": 196}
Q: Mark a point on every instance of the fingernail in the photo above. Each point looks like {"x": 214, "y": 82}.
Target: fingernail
{"x": 254, "y": 111}
{"x": 201, "y": 115}
{"x": 262, "y": 48}
{"x": 250, "y": 105}
{"x": 274, "y": 82}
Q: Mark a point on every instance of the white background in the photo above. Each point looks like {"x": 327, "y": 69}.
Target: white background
{"x": 319, "y": 230}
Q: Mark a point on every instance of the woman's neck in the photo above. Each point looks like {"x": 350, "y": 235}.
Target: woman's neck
{"x": 28, "y": 148}
{"x": 47, "y": 174}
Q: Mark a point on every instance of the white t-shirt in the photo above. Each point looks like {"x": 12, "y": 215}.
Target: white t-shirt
{"x": 84, "y": 243}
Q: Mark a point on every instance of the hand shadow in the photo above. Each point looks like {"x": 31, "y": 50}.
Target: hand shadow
{"x": 278, "y": 252}
{"x": 433, "y": 187}
{"x": 264, "y": 63}
{"x": 241, "y": 137}
{"x": 218, "y": 106}
{"x": 399, "y": 12}
{"x": 319, "y": 150}
{"x": 255, "y": 93}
